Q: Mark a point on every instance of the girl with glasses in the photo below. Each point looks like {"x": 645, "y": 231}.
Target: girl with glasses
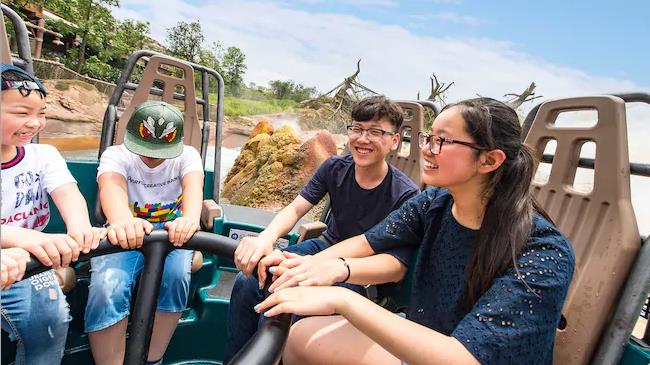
{"x": 490, "y": 278}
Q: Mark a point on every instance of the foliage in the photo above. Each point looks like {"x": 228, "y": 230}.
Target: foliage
{"x": 233, "y": 67}
{"x": 107, "y": 42}
{"x": 185, "y": 39}
{"x": 130, "y": 37}
{"x": 238, "y": 107}
{"x": 211, "y": 57}
{"x": 95, "y": 22}
{"x": 100, "y": 70}
{"x": 290, "y": 90}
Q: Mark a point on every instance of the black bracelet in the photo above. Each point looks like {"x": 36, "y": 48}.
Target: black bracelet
{"x": 347, "y": 267}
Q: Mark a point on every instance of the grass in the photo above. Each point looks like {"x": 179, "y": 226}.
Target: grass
{"x": 239, "y": 107}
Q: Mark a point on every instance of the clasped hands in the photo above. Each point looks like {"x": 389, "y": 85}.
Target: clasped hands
{"x": 289, "y": 269}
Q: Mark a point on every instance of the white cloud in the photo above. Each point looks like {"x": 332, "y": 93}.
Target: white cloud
{"x": 321, "y": 49}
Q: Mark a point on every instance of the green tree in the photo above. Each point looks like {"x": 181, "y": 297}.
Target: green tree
{"x": 290, "y": 90}
{"x": 95, "y": 19}
{"x": 211, "y": 57}
{"x": 302, "y": 92}
{"x": 106, "y": 42}
{"x": 185, "y": 40}
{"x": 281, "y": 89}
{"x": 233, "y": 66}
{"x": 131, "y": 36}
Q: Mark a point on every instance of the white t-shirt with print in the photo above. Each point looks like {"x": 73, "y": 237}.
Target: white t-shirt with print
{"x": 155, "y": 194}
{"x": 37, "y": 170}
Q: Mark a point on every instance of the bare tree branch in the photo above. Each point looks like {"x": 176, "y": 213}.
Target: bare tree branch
{"x": 518, "y": 99}
{"x": 438, "y": 89}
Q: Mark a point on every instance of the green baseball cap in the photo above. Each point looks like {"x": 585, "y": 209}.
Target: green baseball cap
{"x": 155, "y": 130}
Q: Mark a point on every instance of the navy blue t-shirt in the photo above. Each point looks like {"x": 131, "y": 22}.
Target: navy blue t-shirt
{"x": 509, "y": 324}
{"x": 355, "y": 209}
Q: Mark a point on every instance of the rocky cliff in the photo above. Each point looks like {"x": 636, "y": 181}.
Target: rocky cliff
{"x": 274, "y": 165}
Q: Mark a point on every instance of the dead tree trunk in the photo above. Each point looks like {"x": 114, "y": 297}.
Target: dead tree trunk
{"x": 438, "y": 89}
{"x": 518, "y": 99}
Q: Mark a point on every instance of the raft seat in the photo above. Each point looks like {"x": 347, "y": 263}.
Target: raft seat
{"x": 600, "y": 224}
{"x": 5, "y": 52}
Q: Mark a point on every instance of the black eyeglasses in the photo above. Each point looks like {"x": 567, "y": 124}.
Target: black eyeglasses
{"x": 435, "y": 143}
{"x": 354, "y": 131}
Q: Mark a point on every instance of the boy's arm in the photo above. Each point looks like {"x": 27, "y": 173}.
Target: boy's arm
{"x": 54, "y": 250}
{"x": 251, "y": 249}
{"x": 124, "y": 229}
{"x": 74, "y": 211}
{"x": 182, "y": 228}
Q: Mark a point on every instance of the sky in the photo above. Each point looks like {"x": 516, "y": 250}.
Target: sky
{"x": 488, "y": 48}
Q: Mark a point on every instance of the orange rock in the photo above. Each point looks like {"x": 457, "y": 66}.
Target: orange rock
{"x": 316, "y": 150}
{"x": 263, "y": 126}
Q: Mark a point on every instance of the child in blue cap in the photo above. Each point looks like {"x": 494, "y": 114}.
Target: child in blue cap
{"x": 34, "y": 311}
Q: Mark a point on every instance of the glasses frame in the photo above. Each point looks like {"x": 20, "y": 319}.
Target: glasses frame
{"x": 367, "y": 131}
{"x": 443, "y": 140}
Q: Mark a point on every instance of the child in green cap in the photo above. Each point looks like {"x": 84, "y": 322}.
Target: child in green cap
{"x": 152, "y": 181}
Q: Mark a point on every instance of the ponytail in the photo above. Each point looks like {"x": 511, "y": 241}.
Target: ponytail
{"x": 508, "y": 217}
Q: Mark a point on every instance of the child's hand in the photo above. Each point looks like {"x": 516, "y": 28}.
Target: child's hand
{"x": 274, "y": 259}
{"x": 88, "y": 238}
{"x": 249, "y": 252}
{"x": 181, "y": 230}
{"x": 56, "y": 250}
{"x": 129, "y": 234}
{"x": 13, "y": 262}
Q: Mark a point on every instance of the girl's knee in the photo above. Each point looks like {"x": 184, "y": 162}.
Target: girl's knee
{"x": 297, "y": 351}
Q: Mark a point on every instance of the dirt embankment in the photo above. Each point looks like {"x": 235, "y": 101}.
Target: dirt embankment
{"x": 75, "y": 110}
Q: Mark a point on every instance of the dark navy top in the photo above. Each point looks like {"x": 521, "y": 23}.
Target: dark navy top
{"x": 511, "y": 323}
{"x": 355, "y": 209}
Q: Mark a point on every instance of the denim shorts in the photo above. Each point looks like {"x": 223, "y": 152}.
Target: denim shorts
{"x": 111, "y": 285}
{"x": 36, "y": 316}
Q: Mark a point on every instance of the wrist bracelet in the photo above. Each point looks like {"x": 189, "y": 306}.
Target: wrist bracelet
{"x": 347, "y": 267}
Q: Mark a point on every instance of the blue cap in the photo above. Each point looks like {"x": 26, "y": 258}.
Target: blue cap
{"x": 32, "y": 84}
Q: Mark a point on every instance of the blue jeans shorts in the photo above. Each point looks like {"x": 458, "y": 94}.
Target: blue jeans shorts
{"x": 113, "y": 277}
{"x": 36, "y": 316}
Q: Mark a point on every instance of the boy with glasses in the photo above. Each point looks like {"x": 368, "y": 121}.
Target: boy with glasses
{"x": 363, "y": 188}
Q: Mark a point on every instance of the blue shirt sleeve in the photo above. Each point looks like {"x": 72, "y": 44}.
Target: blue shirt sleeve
{"x": 316, "y": 188}
{"x": 403, "y": 229}
{"x": 513, "y": 322}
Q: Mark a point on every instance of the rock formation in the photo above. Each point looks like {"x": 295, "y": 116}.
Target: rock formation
{"x": 74, "y": 108}
{"x": 274, "y": 165}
